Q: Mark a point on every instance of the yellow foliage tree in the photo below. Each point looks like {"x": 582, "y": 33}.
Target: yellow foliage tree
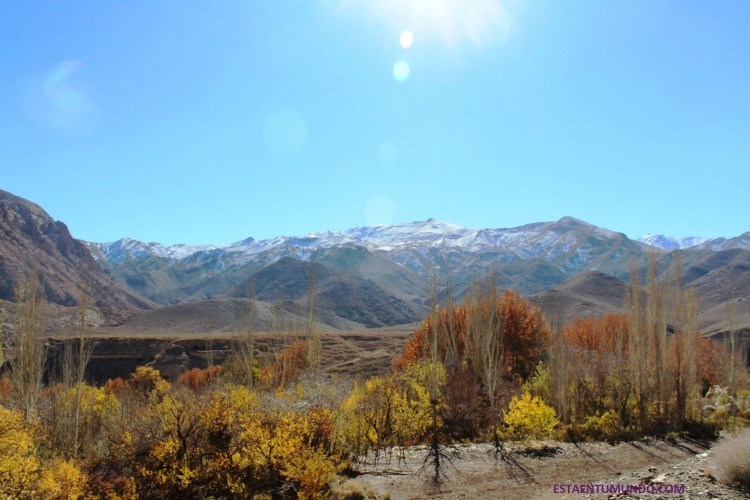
{"x": 63, "y": 479}
{"x": 529, "y": 417}
{"x": 19, "y": 466}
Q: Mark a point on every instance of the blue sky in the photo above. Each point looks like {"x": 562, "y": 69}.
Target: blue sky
{"x": 208, "y": 122}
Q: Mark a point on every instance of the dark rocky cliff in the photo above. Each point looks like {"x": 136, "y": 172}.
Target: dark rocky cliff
{"x": 32, "y": 240}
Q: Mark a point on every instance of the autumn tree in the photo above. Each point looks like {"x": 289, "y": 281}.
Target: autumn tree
{"x": 486, "y": 342}
{"x": 519, "y": 326}
{"x": 77, "y": 352}
{"x": 19, "y": 466}
{"x": 312, "y": 333}
{"x": 639, "y": 372}
{"x": 29, "y": 350}
{"x": 245, "y": 348}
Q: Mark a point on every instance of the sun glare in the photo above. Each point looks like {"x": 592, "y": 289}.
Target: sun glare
{"x": 480, "y": 23}
{"x": 406, "y": 40}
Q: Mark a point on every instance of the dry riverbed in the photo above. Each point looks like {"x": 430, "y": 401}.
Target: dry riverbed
{"x": 545, "y": 470}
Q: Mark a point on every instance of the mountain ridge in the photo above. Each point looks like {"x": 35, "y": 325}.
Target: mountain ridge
{"x": 32, "y": 242}
{"x": 530, "y": 257}
{"x": 373, "y": 275}
{"x": 385, "y": 237}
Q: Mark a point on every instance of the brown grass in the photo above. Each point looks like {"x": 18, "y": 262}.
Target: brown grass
{"x": 352, "y": 490}
{"x": 731, "y": 463}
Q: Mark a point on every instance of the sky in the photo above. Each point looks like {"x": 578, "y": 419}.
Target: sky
{"x": 209, "y": 122}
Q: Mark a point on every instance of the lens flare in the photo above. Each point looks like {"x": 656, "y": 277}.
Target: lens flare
{"x": 61, "y": 92}
{"x": 60, "y": 101}
{"x": 478, "y": 24}
{"x": 401, "y": 71}
{"x": 406, "y": 40}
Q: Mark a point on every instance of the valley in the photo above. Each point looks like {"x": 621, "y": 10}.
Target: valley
{"x": 373, "y": 279}
{"x": 326, "y": 337}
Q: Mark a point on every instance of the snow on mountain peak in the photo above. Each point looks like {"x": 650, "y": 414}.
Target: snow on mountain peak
{"x": 541, "y": 239}
{"x": 665, "y": 242}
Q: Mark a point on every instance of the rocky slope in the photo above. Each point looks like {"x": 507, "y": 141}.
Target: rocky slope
{"x": 31, "y": 240}
{"x": 336, "y": 294}
{"x": 398, "y": 258}
{"x": 401, "y": 258}
{"x": 367, "y": 276}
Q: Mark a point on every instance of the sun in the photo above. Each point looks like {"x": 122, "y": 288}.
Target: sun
{"x": 477, "y": 23}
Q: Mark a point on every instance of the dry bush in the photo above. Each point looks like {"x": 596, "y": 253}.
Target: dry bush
{"x": 116, "y": 386}
{"x": 287, "y": 368}
{"x": 602, "y": 428}
{"x": 6, "y": 390}
{"x": 731, "y": 463}
{"x": 197, "y": 379}
{"x": 351, "y": 490}
{"x": 464, "y": 408}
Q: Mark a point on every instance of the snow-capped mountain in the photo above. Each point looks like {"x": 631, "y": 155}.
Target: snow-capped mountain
{"x": 370, "y": 276}
{"x": 398, "y": 257}
{"x": 741, "y": 241}
{"x": 671, "y": 243}
{"x": 128, "y": 248}
{"x": 668, "y": 243}
{"x": 530, "y": 257}
{"x": 526, "y": 242}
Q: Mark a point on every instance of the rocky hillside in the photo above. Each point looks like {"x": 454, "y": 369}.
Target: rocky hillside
{"x": 337, "y": 294}
{"x": 398, "y": 258}
{"x": 721, "y": 282}
{"x": 30, "y": 239}
{"x": 368, "y": 276}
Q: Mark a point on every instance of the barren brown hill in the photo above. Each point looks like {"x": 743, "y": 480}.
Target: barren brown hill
{"x": 723, "y": 295}
{"x": 400, "y": 281}
{"x": 337, "y": 294}
{"x": 697, "y": 263}
{"x": 589, "y": 293}
{"x": 205, "y": 319}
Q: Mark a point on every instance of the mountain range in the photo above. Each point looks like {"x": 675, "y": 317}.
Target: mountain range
{"x": 399, "y": 258}
{"x": 363, "y": 277}
{"x": 668, "y": 243}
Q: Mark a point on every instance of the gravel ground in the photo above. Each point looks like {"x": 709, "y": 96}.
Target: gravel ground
{"x": 545, "y": 470}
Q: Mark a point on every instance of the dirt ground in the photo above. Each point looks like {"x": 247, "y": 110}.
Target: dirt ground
{"x": 533, "y": 470}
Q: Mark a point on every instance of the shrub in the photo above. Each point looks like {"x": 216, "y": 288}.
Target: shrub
{"x": 571, "y": 433}
{"x": 731, "y": 463}
{"x": 116, "y": 386}
{"x": 701, "y": 430}
{"x": 464, "y": 408}
{"x": 539, "y": 384}
{"x": 148, "y": 382}
{"x": 19, "y": 467}
{"x": 196, "y": 378}
{"x": 529, "y": 417}
{"x": 287, "y": 367}
{"x": 602, "y": 428}
{"x": 6, "y": 390}
{"x": 63, "y": 479}
{"x": 352, "y": 490}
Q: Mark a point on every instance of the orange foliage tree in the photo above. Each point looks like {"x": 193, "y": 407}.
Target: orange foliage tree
{"x": 288, "y": 366}
{"x": 484, "y": 343}
{"x": 523, "y": 333}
